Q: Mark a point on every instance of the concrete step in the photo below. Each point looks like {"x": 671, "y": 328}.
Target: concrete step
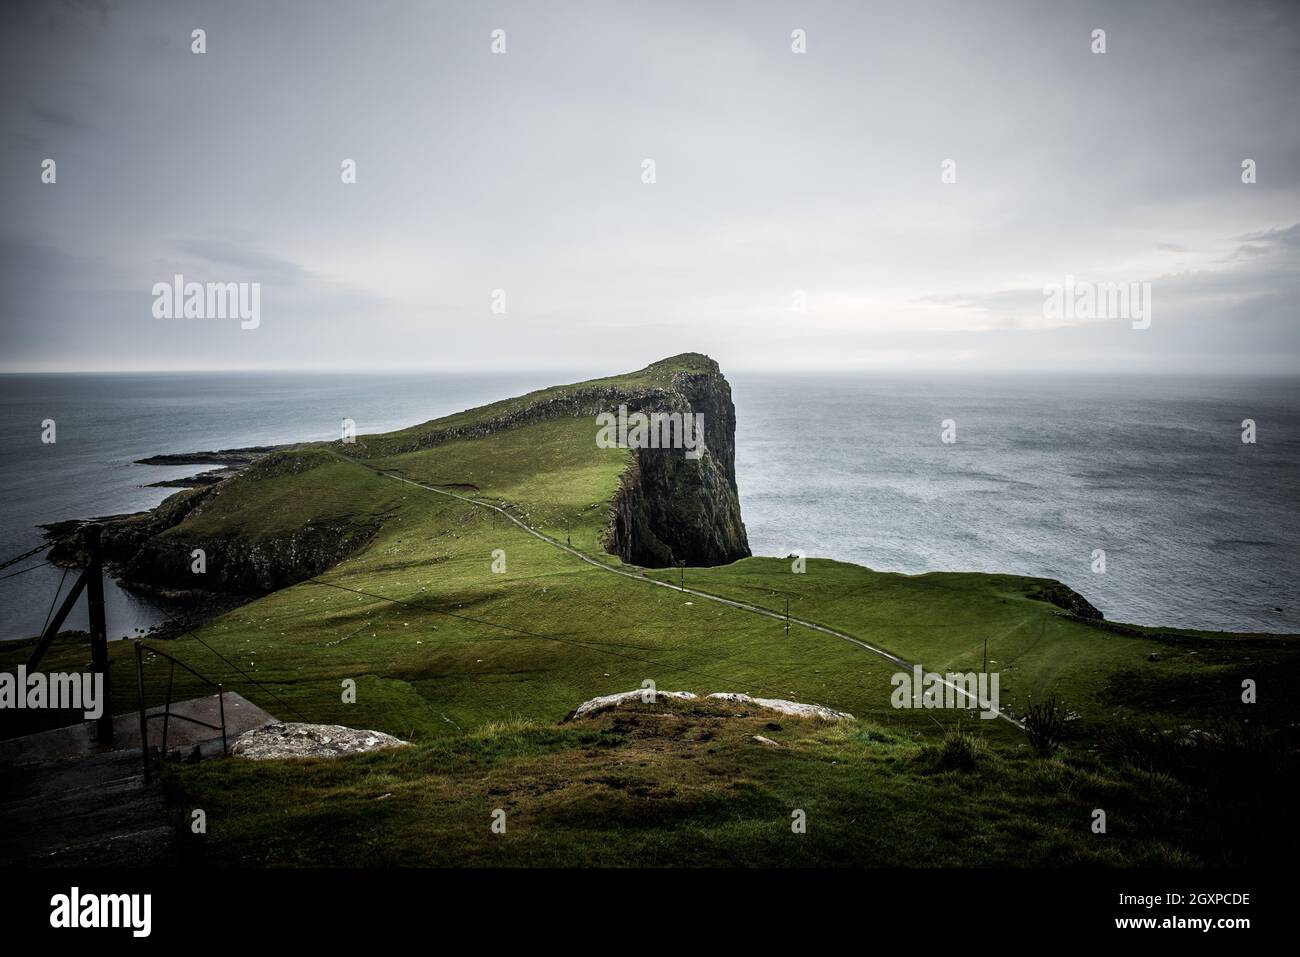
{"x": 96, "y": 810}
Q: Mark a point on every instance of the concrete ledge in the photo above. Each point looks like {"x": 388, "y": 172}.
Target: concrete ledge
{"x": 78, "y": 740}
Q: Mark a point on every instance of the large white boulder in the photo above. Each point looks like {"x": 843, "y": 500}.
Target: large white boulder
{"x": 297, "y": 740}
{"x": 793, "y": 709}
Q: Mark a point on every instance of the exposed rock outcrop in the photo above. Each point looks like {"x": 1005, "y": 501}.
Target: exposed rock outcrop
{"x": 231, "y": 458}
{"x": 1066, "y": 598}
{"x": 794, "y": 709}
{"x": 671, "y": 509}
{"x": 240, "y": 565}
{"x": 637, "y": 699}
{"x": 122, "y": 536}
{"x": 147, "y": 556}
{"x": 297, "y": 740}
{"x": 611, "y": 701}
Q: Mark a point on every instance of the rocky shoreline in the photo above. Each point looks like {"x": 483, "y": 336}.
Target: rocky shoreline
{"x": 230, "y": 462}
{"x": 184, "y": 605}
{"x": 64, "y": 535}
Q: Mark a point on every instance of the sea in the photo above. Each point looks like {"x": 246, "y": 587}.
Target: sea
{"x": 904, "y": 472}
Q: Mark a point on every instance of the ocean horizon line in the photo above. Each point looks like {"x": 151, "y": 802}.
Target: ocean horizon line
{"x": 1071, "y": 372}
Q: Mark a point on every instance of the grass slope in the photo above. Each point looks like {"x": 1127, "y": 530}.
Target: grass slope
{"x": 478, "y": 667}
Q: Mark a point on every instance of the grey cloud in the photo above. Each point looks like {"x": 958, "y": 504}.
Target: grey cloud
{"x": 1245, "y": 282}
{"x": 58, "y": 118}
{"x": 775, "y": 172}
{"x": 52, "y": 14}
{"x": 1277, "y": 236}
{"x": 243, "y": 256}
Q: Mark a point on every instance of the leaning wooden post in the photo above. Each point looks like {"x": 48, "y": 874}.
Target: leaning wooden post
{"x": 144, "y": 720}
{"x": 98, "y": 629}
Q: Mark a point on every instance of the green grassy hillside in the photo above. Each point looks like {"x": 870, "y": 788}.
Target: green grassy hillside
{"x": 478, "y": 668}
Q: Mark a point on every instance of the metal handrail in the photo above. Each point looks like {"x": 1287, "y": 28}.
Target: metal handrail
{"x": 166, "y": 715}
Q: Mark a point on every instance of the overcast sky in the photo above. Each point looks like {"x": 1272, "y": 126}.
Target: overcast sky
{"x": 775, "y": 171}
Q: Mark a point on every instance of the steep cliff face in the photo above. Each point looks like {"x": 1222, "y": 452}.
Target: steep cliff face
{"x": 670, "y": 508}
{"x": 1065, "y": 597}
{"x": 236, "y": 564}
{"x": 152, "y": 552}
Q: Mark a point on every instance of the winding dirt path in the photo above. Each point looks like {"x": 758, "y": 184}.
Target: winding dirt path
{"x": 741, "y": 605}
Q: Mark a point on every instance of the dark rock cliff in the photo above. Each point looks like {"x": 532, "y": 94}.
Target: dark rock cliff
{"x": 1065, "y": 597}
{"x": 150, "y": 552}
{"x": 235, "y": 564}
{"x": 670, "y": 508}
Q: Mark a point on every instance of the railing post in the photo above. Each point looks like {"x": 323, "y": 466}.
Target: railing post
{"x": 167, "y": 708}
{"x": 144, "y": 722}
{"x": 98, "y": 628}
{"x": 221, "y": 702}
{"x": 172, "y": 662}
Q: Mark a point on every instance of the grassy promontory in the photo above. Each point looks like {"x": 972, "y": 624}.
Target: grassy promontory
{"x": 478, "y": 668}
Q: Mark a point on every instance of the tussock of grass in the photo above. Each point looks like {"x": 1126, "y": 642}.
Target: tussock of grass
{"x": 958, "y": 751}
